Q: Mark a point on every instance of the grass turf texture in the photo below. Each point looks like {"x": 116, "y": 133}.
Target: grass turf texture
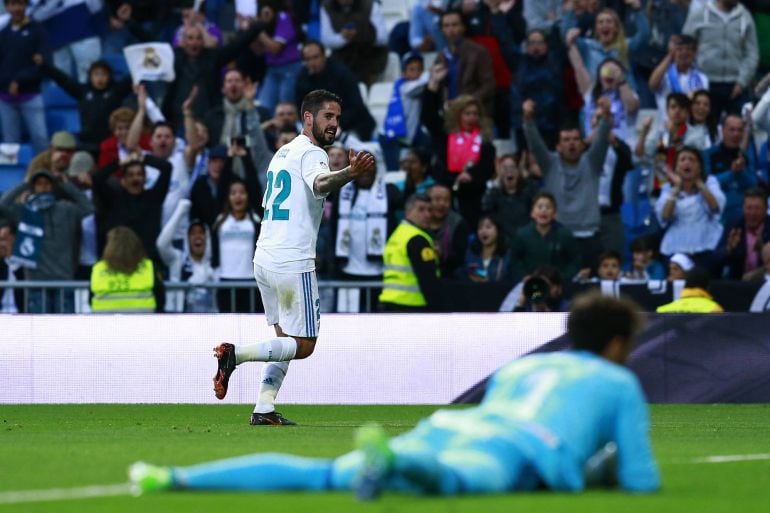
{"x": 58, "y": 446}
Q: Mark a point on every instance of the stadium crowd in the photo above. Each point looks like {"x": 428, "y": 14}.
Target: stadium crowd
{"x": 556, "y": 141}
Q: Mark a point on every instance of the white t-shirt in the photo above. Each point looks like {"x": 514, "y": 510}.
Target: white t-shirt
{"x": 287, "y": 238}
{"x": 236, "y": 238}
{"x": 178, "y": 188}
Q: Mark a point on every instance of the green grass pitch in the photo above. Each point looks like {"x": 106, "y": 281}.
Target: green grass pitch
{"x": 60, "y": 446}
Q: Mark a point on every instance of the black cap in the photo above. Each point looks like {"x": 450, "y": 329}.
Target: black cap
{"x": 218, "y": 152}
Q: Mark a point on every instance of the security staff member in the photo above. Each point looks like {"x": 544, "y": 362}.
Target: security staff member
{"x": 125, "y": 280}
{"x": 411, "y": 282}
{"x": 695, "y": 297}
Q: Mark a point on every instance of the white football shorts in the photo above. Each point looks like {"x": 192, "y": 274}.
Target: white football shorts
{"x": 291, "y": 300}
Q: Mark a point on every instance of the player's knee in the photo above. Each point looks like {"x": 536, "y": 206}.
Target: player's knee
{"x": 305, "y": 347}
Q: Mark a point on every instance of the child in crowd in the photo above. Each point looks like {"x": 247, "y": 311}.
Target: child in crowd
{"x": 643, "y": 265}
{"x": 487, "y": 258}
{"x": 609, "y": 266}
{"x": 544, "y": 241}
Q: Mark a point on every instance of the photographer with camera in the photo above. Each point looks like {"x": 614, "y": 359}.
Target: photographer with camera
{"x": 542, "y": 292}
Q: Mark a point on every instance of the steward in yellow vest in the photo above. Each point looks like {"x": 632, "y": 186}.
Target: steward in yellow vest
{"x": 114, "y": 291}
{"x": 124, "y": 280}
{"x": 411, "y": 278}
{"x": 695, "y": 297}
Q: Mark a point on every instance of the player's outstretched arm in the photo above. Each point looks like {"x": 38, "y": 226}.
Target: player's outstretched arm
{"x": 360, "y": 163}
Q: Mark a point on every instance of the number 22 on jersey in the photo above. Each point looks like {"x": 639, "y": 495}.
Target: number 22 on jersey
{"x": 278, "y": 190}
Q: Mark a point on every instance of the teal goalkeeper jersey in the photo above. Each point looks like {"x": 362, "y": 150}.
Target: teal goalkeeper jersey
{"x": 559, "y": 409}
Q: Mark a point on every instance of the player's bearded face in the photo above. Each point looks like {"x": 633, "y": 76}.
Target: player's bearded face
{"x": 323, "y": 132}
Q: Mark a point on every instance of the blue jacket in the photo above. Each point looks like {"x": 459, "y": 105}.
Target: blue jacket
{"x": 717, "y": 161}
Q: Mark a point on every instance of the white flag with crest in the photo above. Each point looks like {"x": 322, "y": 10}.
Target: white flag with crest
{"x": 150, "y": 61}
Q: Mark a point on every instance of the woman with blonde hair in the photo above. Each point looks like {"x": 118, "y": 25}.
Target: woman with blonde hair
{"x": 609, "y": 38}
{"x": 465, "y": 155}
{"x": 125, "y": 280}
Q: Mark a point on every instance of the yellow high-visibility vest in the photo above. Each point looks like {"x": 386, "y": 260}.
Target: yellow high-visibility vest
{"x": 692, "y": 301}
{"x": 119, "y": 292}
{"x": 400, "y": 285}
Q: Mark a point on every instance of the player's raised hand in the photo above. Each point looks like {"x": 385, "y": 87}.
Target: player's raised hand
{"x": 361, "y": 162}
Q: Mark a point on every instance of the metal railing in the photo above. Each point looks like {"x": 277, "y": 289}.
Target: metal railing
{"x": 63, "y": 289}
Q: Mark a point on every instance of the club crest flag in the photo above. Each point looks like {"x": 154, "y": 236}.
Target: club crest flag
{"x": 150, "y": 61}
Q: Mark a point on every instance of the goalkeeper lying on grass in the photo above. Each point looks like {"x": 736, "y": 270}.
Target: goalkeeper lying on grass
{"x": 562, "y": 421}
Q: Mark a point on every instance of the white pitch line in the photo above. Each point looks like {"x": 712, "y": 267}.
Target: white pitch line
{"x": 732, "y": 457}
{"x": 60, "y": 494}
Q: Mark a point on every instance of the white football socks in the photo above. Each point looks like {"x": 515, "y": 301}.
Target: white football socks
{"x": 272, "y": 378}
{"x": 277, "y": 349}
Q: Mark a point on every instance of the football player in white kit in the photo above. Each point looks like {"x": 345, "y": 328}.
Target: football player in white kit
{"x": 298, "y": 181}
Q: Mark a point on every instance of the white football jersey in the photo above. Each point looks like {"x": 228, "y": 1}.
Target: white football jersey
{"x": 293, "y": 212}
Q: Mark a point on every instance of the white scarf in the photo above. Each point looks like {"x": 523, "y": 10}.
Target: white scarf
{"x": 376, "y": 219}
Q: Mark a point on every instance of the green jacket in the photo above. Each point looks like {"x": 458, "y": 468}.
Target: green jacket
{"x": 557, "y": 248}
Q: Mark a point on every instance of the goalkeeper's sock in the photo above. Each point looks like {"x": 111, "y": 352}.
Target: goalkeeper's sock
{"x": 279, "y": 349}
{"x": 256, "y": 472}
{"x": 272, "y": 378}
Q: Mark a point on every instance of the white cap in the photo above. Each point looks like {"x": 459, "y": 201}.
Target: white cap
{"x": 683, "y": 261}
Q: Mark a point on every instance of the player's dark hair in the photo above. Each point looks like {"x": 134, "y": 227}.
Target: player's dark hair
{"x": 595, "y": 319}
{"x": 314, "y": 101}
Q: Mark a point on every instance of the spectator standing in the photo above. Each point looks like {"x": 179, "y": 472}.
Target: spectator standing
{"x": 281, "y": 43}
{"x": 71, "y": 28}
{"x": 509, "y": 199}
{"x": 449, "y": 230}
{"x": 126, "y": 202}
{"x": 689, "y": 209}
{"x": 99, "y": 96}
{"x": 466, "y": 67}
{"x": 57, "y": 157}
{"x": 411, "y": 281}
{"x": 235, "y": 232}
{"x": 20, "y": 78}
{"x": 572, "y": 174}
{"x": 424, "y": 27}
{"x": 402, "y": 126}
{"x": 363, "y": 218}
{"x": 49, "y": 212}
{"x": 355, "y": 32}
{"x": 416, "y": 165}
{"x": 209, "y": 190}
{"x": 544, "y": 241}
{"x": 727, "y": 51}
{"x": 212, "y": 34}
{"x": 676, "y": 72}
{"x": 334, "y": 75}
{"x": 732, "y": 166}
{"x": 192, "y": 264}
{"x": 113, "y": 148}
{"x": 462, "y": 141}
{"x": 538, "y": 77}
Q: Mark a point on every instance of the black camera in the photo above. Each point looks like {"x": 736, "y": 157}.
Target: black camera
{"x": 537, "y": 290}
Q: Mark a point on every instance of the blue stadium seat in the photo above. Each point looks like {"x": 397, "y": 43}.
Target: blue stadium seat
{"x": 55, "y": 96}
{"x": 63, "y": 119}
{"x": 11, "y": 176}
{"x": 26, "y": 153}
{"x": 118, "y": 64}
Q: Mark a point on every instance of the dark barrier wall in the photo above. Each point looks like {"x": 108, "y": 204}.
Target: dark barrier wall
{"x": 716, "y": 358}
{"x": 734, "y": 296}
